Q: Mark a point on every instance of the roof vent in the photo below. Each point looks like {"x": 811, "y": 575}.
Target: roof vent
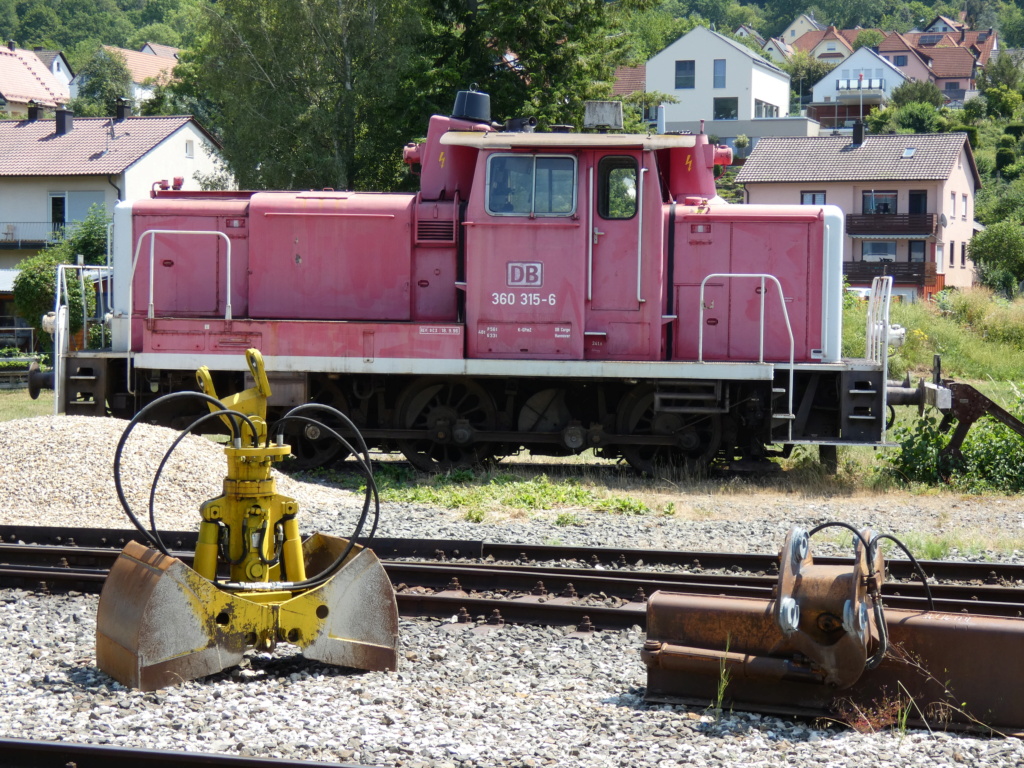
{"x": 34, "y": 111}
{"x": 65, "y": 120}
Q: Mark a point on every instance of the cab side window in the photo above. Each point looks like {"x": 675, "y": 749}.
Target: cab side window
{"x": 531, "y": 185}
{"x": 616, "y": 191}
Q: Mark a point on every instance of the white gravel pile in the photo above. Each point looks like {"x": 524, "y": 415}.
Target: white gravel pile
{"x": 519, "y": 696}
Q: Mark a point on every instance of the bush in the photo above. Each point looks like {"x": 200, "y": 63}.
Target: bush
{"x": 993, "y": 456}
{"x": 1005, "y": 157}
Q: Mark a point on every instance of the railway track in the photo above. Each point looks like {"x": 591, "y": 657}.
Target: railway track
{"x": 485, "y": 583}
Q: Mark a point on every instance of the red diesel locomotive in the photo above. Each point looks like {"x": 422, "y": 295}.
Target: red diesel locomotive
{"x": 547, "y": 290}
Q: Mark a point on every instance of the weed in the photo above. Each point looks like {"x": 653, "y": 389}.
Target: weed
{"x": 669, "y": 510}
{"x": 474, "y": 516}
{"x": 622, "y": 505}
{"x": 568, "y": 518}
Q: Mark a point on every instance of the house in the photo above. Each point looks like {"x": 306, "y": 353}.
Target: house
{"x": 948, "y": 57}
{"x": 724, "y": 89}
{"x": 26, "y": 81}
{"x": 57, "y": 64}
{"x": 851, "y": 90}
{"x": 147, "y": 70}
{"x": 801, "y": 25}
{"x": 52, "y": 171}
{"x": 778, "y": 50}
{"x": 830, "y": 44}
{"x": 743, "y": 30}
{"x": 908, "y": 200}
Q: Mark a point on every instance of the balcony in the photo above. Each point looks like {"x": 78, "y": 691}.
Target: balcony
{"x": 891, "y": 224}
{"x": 919, "y": 273}
{"x": 28, "y": 235}
{"x": 854, "y": 90}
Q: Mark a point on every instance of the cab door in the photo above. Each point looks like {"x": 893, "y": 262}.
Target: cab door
{"x": 615, "y": 233}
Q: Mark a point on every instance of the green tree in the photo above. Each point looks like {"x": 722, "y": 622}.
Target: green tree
{"x": 154, "y": 33}
{"x": 103, "y": 80}
{"x": 1005, "y": 69}
{"x": 1002, "y": 101}
{"x": 8, "y": 19}
{"x": 1011, "y": 25}
{"x": 869, "y": 38}
{"x": 35, "y": 285}
{"x": 999, "y": 249}
{"x": 920, "y": 91}
{"x": 804, "y": 71}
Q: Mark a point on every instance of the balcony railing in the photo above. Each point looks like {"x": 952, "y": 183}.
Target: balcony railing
{"x": 882, "y": 224}
{"x": 919, "y": 273}
{"x": 854, "y": 84}
{"x": 29, "y": 234}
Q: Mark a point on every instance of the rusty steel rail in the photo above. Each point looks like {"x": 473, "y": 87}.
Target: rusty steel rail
{"x": 620, "y": 558}
{"x": 433, "y": 589}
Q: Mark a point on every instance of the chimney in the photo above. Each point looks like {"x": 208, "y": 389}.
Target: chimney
{"x": 65, "y": 120}
{"x": 858, "y": 133}
{"x": 12, "y": 45}
{"x": 33, "y": 111}
{"x": 123, "y": 110}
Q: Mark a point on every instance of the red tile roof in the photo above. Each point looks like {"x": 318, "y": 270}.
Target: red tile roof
{"x": 837, "y": 158}
{"x": 145, "y": 66}
{"x": 952, "y": 62}
{"x": 24, "y": 78}
{"x": 629, "y": 80}
{"x": 32, "y": 148}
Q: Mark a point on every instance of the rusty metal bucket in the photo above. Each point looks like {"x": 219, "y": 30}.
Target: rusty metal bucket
{"x": 160, "y": 623}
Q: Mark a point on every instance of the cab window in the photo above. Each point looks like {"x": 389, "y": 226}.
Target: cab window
{"x": 616, "y": 191}
{"x": 531, "y": 185}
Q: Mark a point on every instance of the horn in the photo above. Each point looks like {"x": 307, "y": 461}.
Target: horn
{"x": 38, "y": 380}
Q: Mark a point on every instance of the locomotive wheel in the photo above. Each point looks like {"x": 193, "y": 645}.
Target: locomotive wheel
{"x": 435, "y": 406}
{"x": 311, "y": 447}
{"x": 696, "y": 436}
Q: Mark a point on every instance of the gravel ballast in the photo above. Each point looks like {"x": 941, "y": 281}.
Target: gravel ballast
{"x": 518, "y": 696}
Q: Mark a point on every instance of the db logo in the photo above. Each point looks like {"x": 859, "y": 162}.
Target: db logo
{"x": 525, "y": 273}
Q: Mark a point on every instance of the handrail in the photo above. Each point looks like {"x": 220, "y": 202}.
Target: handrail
{"x": 152, "y": 255}
{"x": 877, "y": 342}
{"x": 785, "y": 316}
{"x": 640, "y": 233}
{"x": 590, "y": 236}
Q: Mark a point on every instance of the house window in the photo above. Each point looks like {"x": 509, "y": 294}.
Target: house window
{"x": 764, "y": 109}
{"x": 899, "y": 61}
{"x": 812, "y": 198}
{"x": 830, "y": 47}
{"x": 963, "y": 211}
{"x": 190, "y": 148}
{"x": 952, "y": 203}
{"x": 719, "y": 73}
{"x": 953, "y": 86}
{"x": 685, "y": 74}
{"x": 918, "y": 200}
{"x": 727, "y": 108}
{"x": 878, "y": 202}
{"x": 616, "y": 190}
{"x": 963, "y": 254}
{"x": 58, "y": 212}
{"x": 917, "y": 250}
{"x": 531, "y": 185}
{"x": 879, "y": 250}
{"x": 952, "y": 253}
{"x": 938, "y": 254}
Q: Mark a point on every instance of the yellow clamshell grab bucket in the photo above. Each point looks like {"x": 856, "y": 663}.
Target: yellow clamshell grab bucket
{"x": 253, "y": 582}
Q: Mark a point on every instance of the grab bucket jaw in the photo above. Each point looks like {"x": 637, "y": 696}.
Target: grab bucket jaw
{"x": 160, "y": 623}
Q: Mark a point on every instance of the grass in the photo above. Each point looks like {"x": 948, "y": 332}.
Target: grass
{"x": 16, "y": 404}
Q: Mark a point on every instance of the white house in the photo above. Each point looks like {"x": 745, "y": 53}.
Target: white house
{"x": 57, "y": 64}
{"x": 725, "y": 85}
{"x": 146, "y": 69}
{"x": 52, "y": 171}
{"x": 863, "y": 81}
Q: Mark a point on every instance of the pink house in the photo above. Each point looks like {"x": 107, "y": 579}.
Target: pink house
{"x": 908, "y": 201}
